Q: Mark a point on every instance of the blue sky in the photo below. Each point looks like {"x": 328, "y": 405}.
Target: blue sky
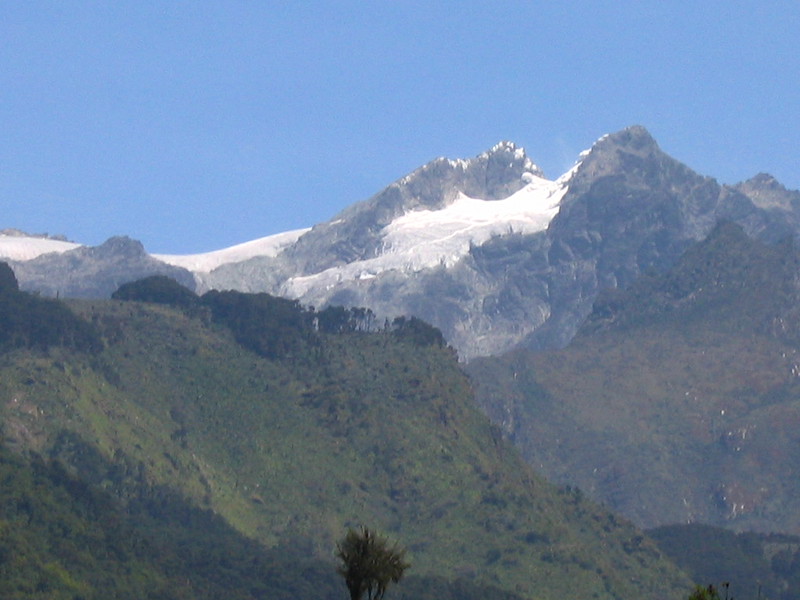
{"x": 193, "y": 126}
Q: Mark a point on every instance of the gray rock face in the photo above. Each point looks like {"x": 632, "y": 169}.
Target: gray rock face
{"x": 780, "y": 206}
{"x": 629, "y": 208}
{"x": 93, "y": 272}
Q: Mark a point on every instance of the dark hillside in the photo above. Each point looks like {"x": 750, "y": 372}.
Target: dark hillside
{"x": 678, "y": 400}
{"x": 754, "y": 565}
{"x": 27, "y": 321}
{"x": 64, "y": 538}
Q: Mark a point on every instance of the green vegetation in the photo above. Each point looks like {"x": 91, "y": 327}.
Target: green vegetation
{"x": 27, "y": 321}
{"x": 270, "y": 326}
{"x": 726, "y": 278}
{"x": 368, "y": 564}
{"x": 158, "y": 289}
{"x": 704, "y": 593}
{"x": 63, "y": 538}
{"x": 281, "y": 436}
{"x": 417, "y": 332}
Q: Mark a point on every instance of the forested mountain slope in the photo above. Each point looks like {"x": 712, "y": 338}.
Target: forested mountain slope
{"x": 282, "y": 433}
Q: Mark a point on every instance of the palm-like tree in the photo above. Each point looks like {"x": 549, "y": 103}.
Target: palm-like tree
{"x": 369, "y": 564}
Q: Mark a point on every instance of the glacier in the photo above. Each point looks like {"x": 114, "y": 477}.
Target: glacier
{"x": 422, "y": 239}
{"x": 205, "y": 262}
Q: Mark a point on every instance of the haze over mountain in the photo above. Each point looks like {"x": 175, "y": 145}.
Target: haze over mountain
{"x": 678, "y": 399}
{"x": 487, "y": 249}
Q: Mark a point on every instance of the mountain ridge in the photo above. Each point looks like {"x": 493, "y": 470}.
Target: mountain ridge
{"x": 492, "y": 253}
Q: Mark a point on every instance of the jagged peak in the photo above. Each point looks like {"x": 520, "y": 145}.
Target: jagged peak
{"x": 505, "y": 153}
{"x": 764, "y": 180}
{"x": 506, "y": 149}
{"x": 120, "y": 245}
{"x": 767, "y": 192}
{"x": 605, "y": 155}
{"x": 505, "y": 146}
{"x": 499, "y": 150}
{"x": 635, "y": 138}
{"x": 637, "y": 130}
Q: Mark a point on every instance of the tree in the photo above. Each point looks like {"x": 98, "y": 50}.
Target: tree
{"x": 369, "y": 564}
{"x": 417, "y": 331}
{"x": 158, "y": 289}
{"x": 708, "y": 593}
{"x": 8, "y": 281}
{"x": 334, "y": 319}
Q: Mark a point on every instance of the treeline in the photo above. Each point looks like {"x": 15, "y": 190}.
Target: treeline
{"x": 28, "y": 321}
{"x": 275, "y": 327}
{"x": 270, "y": 326}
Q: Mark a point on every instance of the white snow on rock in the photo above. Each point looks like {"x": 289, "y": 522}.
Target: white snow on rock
{"x": 24, "y": 247}
{"x": 417, "y": 240}
{"x": 426, "y": 238}
{"x": 206, "y": 262}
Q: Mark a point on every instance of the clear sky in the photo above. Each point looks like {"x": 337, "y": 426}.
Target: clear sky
{"x": 196, "y": 125}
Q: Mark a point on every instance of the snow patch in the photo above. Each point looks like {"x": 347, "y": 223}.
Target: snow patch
{"x": 269, "y": 246}
{"x": 22, "y": 247}
{"x": 459, "y": 163}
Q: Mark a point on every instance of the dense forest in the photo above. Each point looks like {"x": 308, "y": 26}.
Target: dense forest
{"x": 78, "y": 524}
{"x": 754, "y": 565}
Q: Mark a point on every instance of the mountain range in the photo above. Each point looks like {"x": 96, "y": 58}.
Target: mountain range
{"x": 487, "y": 249}
{"x": 630, "y": 328}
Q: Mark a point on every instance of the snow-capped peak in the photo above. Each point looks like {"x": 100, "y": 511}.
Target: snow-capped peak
{"x": 504, "y": 145}
{"x": 421, "y": 239}
{"x": 517, "y": 154}
{"x": 506, "y": 193}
